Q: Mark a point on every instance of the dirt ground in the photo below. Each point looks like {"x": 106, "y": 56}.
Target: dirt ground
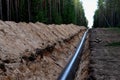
{"x": 35, "y": 51}
{"x": 105, "y": 58}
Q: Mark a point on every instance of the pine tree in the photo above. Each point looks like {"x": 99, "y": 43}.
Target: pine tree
{"x": 46, "y": 11}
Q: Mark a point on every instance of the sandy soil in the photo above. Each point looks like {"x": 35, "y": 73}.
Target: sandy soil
{"x": 104, "y": 60}
{"x": 35, "y": 51}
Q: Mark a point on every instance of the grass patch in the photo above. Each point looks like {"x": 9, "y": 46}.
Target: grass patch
{"x": 115, "y": 44}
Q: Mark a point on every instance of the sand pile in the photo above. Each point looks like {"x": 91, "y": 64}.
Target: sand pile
{"x": 28, "y": 50}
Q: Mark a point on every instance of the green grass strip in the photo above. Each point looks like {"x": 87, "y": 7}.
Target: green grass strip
{"x": 115, "y": 30}
{"x": 114, "y": 44}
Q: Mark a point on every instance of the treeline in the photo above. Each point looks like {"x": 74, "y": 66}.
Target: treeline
{"x": 46, "y": 11}
{"x": 107, "y": 14}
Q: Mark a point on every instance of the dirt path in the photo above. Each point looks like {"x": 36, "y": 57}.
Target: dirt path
{"x": 105, "y": 54}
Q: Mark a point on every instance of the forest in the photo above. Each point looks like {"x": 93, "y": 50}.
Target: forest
{"x": 46, "y": 11}
{"x": 107, "y": 14}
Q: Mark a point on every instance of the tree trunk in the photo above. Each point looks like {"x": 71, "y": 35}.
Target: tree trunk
{"x": 59, "y": 6}
{"x": 16, "y": 9}
{"x": 10, "y": 9}
{"x": 8, "y": 16}
{"x": 29, "y": 12}
{"x": 1, "y": 9}
{"x": 50, "y": 15}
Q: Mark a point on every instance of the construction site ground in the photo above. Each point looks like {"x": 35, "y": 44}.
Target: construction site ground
{"x": 36, "y": 51}
{"x": 105, "y": 54}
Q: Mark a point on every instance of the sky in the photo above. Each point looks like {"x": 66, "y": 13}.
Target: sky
{"x": 89, "y": 7}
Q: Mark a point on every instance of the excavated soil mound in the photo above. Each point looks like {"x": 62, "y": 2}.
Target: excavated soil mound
{"x": 35, "y": 51}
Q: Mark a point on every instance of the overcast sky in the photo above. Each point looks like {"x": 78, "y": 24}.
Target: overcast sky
{"x": 89, "y": 6}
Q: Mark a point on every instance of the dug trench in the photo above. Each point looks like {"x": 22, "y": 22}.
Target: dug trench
{"x": 27, "y": 51}
{"x": 83, "y": 68}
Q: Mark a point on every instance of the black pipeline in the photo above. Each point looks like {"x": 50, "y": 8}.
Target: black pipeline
{"x": 69, "y": 71}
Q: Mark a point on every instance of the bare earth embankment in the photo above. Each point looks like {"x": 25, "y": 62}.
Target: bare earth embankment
{"x": 105, "y": 54}
{"x": 36, "y": 51}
